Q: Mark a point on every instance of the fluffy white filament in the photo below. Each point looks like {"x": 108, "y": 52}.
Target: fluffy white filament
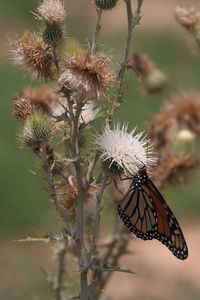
{"x": 129, "y": 150}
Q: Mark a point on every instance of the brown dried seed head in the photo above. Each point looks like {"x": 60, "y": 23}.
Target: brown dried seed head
{"x": 70, "y": 193}
{"x": 43, "y": 97}
{"x": 163, "y": 130}
{"x": 34, "y": 55}
{"x": 90, "y": 77}
{"x": 52, "y": 11}
{"x": 186, "y": 110}
{"x": 182, "y": 112}
{"x": 142, "y": 63}
{"x": 174, "y": 169}
{"x": 188, "y": 18}
{"x": 22, "y": 108}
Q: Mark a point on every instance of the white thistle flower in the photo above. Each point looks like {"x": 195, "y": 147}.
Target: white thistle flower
{"x": 129, "y": 151}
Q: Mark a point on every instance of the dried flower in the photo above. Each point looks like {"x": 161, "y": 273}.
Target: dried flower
{"x": 34, "y": 55}
{"x": 91, "y": 78}
{"x": 188, "y": 18}
{"x": 186, "y": 110}
{"x": 37, "y": 128}
{"x": 174, "y": 169}
{"x": 180, "y": 113}
{"x": 106, "y": 4}
{"x": 126, "y": 150}
{"x": 52, "y": 11}
{"x": 42, "y": 98}
{"x": 163, "y": 130}
{"x": 22, "y": 108}
{"x": 70, "y": 193}
{"x": 153, "y": 79}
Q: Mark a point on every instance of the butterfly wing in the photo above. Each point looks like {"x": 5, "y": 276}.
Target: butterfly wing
{"x": 168, "y": 230}
{"x": 146, "y": 214}
{"x": 138, "y": 214}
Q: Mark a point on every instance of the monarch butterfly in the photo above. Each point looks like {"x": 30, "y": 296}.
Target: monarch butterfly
{"x": 145, "y": 212}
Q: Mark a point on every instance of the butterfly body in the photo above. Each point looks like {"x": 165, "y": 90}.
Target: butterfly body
{"x": 145, "y": 212}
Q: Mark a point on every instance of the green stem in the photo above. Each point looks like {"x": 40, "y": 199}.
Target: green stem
{"x": 133, "y": 20}
{"x": 96, "y": 32}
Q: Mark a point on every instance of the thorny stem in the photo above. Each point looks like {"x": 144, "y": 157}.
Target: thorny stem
{"x": 48, "y": 176}
{"x": 96, "y": 31}
{"x": 83, "y": 261}
{"x": 97, "y": 216}
{"x": 133, "y": 20}
{"x": 56, "y": 58}
{"x": 61, "y": 271}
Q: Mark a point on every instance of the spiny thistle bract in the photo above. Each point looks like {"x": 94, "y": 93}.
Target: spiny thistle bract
{"x": 52, "y": 34}
{"x": 105, "y": 4}
{"x": 37, "y": 128}
{"x": 112, "y": 168}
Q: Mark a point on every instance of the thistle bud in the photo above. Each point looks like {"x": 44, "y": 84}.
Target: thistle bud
{"x": 52, "y": 34}
{"x": 37, "y": 128}
{"x": 105, "y": 4}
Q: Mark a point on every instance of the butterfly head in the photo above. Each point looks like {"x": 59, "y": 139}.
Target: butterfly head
{"x": 141, "y": 177}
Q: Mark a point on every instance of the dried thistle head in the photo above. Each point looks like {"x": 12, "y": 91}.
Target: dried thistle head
{"x": 70, "y": 193}
{"x": 153, "y": 79}
{"x": 42, "y": 98}
{"x": 174, "y": 169}
{"x": 163, "y": 130}
{"x": 142, "y": 63}
{"x": 186, "y": 110}
{"x": 22, "y": 108}
{"x": 182, "y": 112}
{"x": 89, "y": 77}
{"x": 52, "y": 11}
{"x": 188, "y": 18}
{"x": 34, "y": 55}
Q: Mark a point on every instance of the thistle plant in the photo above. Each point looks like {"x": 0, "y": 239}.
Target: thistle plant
{"x": 77, "y": 162}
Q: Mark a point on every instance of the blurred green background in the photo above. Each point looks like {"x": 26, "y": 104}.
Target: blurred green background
{"x": 25, "y": 208}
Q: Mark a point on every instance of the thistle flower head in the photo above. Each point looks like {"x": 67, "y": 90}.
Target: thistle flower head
{"x": 187, "y": 17}
{"x": 52, "y": 11}
{"x": 22, "y": 108}
{"x": 69, "y": 199}
{"x": 37, "y": 128}
{"x": 90, "y": 77}
{"x": 34, "y": 55}
{"x": 174, "y": 169}
{"x": 127, "y": 150}
{"x": 42, "y": 98}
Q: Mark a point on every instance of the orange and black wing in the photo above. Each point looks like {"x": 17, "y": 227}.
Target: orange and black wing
{"x": 146, "y": 214}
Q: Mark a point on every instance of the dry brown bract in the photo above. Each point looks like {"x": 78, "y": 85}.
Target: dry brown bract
{"x": 42, "y": 98}
{"x": 180, "y": 113}
{"x": 34, "y": 55}
{"x": 70, "y": 193}
{"x": 91, "y": 78}
{"x": 174, "y": 169}
{"x": 187, "y": 17}
{"x": 142, "y": 63}
{"x": 22, "y": 108}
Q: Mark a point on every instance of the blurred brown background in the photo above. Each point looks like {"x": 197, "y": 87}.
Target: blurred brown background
{"x": 25, "y": 208}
